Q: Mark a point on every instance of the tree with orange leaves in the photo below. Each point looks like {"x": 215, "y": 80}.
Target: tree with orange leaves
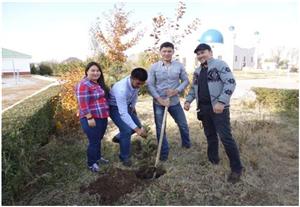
{"x": 114, "y": 40}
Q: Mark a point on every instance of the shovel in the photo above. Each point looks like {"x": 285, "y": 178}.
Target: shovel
{"x": 160, "y": 141}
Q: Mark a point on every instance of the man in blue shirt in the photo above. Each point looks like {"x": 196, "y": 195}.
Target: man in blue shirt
{"x": 168, "y": 78}
{"x": 122, "y": 101}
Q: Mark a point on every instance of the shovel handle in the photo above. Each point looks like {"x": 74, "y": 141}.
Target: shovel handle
{"x": 161, "y": 137}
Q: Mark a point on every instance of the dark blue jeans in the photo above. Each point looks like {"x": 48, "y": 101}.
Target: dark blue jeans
{"x": 125, "y": 131}
{"x": 178, "y": 115}
{"x": 94, "y": 134}
{"x": 219, "y": 124}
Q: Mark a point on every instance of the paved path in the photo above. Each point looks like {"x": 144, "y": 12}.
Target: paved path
{"x": 243, "y": 88}
{"x": 16, "y": 91}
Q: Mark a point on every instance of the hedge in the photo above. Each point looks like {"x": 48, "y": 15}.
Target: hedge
{"x": 286, "y": 100}
{"x": 25, "y": 128}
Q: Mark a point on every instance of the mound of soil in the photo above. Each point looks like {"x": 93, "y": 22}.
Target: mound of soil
{"x": 146, "y": 172}
{"x": 112, "y": 185}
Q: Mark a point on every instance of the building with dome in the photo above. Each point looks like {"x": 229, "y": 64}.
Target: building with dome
{"x": 224, "y": 48}
{"x": 236, "y": 57}
{"x": 212, "y": 36}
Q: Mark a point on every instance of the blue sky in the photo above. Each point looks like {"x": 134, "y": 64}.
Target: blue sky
{"x": 56, "y": 31}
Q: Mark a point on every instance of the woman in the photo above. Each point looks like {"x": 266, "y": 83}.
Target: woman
{"x": 91, "y": 94}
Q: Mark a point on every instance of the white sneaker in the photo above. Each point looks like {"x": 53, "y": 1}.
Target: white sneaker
{"x": 103, "y": 161}
{"x": 95, "y": 167}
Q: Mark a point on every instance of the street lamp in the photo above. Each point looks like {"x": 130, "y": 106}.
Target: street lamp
{"x": 257, "y": 38}
{"x": 232, "y": 29}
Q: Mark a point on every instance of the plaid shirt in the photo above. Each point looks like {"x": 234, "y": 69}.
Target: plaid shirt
{"x": 91, "y": 99}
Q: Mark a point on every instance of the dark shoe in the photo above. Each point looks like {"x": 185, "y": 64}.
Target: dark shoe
{"x": 127, "y": 163}
{"x": 186, "y": 146}
{"x": 163, "y": 158}
{"x": 234, "y": 177}
{"x": 115, "y": 139}
{"x": 214, "y": 162}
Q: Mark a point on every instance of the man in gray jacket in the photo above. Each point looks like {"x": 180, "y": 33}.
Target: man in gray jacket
{"x": 212, "y": 87}
{"x": 166, "y": 79}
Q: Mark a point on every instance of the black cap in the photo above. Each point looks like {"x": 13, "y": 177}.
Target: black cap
{"x": 202, "y": 46}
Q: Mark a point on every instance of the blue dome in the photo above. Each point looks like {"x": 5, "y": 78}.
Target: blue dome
{"x": 212, "y": 36}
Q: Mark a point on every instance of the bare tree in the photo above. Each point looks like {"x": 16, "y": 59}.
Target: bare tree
{"x": 293, "y": 56}
{"x": 278, "y": 56}
{"x": 164, "y": 25}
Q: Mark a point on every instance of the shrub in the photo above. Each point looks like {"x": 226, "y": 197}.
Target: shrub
{"x": 66, "y": 111}
{"x": 61, "y": 68}
{"x": 146, "y": 59}
{"x": 45, "y": 69}
{"x": 33, "y": 70}
{"x": 294, "y": 69}
{"x": 286, "y": 100}
{"x": 25, "y": 128}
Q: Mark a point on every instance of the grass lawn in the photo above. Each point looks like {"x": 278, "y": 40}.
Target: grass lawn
{"x": 268, "y": 145}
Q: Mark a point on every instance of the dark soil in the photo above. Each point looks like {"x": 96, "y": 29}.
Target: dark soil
{"x": 148, "y": 172}
{"x": 117, "y": 182}
{"x": 112, "y": 185}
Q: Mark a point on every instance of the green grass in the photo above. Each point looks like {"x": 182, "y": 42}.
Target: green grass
{"x": 61, "y": 171}
{"x": 271, "y": 171}
{"x": 25, "y": 128}
{"x": 269, "y": 151}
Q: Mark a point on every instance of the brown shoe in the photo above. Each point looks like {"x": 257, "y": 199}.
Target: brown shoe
{"x": 127, "y": 163}
{"x": 234, "y": 177}
{"x": 115, "y": 139}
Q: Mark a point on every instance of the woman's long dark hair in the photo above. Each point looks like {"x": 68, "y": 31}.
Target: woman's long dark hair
{"x": 100, "y": 80}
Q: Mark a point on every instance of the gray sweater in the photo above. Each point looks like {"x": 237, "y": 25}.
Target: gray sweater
{"x": 220, "y": 80}
{"x": 160, "y": 79}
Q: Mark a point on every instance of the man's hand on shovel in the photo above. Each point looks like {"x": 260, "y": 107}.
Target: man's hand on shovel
{"x": 172, "y": 92}
{"x": 163, "y": 102}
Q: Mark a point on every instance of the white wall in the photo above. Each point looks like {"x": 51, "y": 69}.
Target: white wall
{"x": 20, "y": 65}
{"x": 242, "y": 53}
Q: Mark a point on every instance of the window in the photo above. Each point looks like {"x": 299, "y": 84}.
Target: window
{"x": 251, "y": 59}
{"x": 235, "y": 59}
